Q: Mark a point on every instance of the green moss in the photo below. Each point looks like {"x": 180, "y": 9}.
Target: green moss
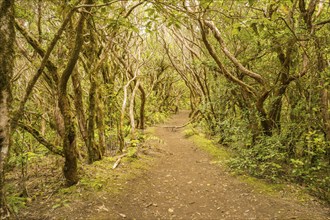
{"x": 150, "y": 131}
{"x": 189, "y": 132}
{"x": 100, "y": 177}
{"x": 101, "y": 174}
{"x": 276, "y": 189}
{"x": 16, "y": 202}
{"x": 142, "y": 164}
{"x": 68, "y": 190}
{"x": 219, "y": 154}
{"x": 262, "y": 186}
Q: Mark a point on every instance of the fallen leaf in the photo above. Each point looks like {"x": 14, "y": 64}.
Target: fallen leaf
{"x": 102, "y": 207}
{"x": 122, "y": 215}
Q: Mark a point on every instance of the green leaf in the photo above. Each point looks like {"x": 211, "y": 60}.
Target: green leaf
{"x": 251, "y": 2}
{"x": 56, "y": 206}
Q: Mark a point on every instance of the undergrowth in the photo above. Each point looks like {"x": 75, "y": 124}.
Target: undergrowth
{"x": 44, "y": 181}
{"x": 219, "y": 155}
{"x": 269, "y": 159}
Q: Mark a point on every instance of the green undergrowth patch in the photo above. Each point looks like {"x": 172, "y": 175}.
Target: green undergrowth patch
{"x": 290, "y": 191}
{"x": 100, "y": 176}
{"x": 45, "y": 183}
{"x": 219, "y": 154}
{"x": 261, "y": 185}
{"x": 99, "y": 180}
{"x": 150, "y": 131}
{"x": 106, "y": 178}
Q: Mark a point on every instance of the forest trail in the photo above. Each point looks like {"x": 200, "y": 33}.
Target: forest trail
{"x": 183, "y": 184}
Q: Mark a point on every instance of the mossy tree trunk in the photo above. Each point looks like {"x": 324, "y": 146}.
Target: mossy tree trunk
{"x": 93, "y": 67}
{"x": 7, "y": 39}
{"x": 94, "y": 152}
{"x": 142, "y": 107}
{"x": 69, "y": 140}
{"x": 79, "y": 105}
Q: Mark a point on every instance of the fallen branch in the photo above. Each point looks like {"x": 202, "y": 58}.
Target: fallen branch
{"x": 115, "y": 165}
{"x": 174, "y": 128}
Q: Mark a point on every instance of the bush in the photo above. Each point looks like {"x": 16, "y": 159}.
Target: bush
{"x": 265, "y": 159}
{"x": 269, "y": 158}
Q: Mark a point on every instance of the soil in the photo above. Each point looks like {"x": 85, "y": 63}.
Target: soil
{"x": 184, "y": 184}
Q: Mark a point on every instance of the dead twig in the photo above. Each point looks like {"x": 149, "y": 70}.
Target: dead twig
{"x": 115, "y": 165}
{"x": 174, "y": 128}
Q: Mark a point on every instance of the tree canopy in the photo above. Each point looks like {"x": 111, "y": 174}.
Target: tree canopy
{"x": 90, "y": 75}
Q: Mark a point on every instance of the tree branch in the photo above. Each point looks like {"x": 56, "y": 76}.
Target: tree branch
{"x": 44, "y": 63}
{"x": 74, "y": 55}
{"x": 217, "y": 35}
{"x": 323, "y": 22}
{"x": 36, "y": 134}
{"x": 222, "y": 69}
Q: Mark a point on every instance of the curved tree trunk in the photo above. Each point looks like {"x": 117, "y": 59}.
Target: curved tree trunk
{"x": 69, "y": 139}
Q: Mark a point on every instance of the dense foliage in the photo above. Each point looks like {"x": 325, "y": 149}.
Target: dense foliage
{"x": 91, "y": 75}
{"x": 262, "y": 72}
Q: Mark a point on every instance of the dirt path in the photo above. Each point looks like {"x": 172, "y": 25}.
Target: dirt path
{"x": 184, "y": 185}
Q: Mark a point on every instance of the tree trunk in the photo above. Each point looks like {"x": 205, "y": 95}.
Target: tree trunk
{"x": 122, "y": 116}
{"x": 264, "y": 121}
{"x": 143, "y": 103}
{"x": 78, "y": 102}
{"x": 131, "y": 109}
{"x": 7, "y": 38}
{"x": 276, "y": 108}
{"x": 100, "y": 125}
{"x": 94, "y": 153}
{"x": 324, "y": 95}
{"x": 69, "y": 139}
{"x": 69, "y": 142}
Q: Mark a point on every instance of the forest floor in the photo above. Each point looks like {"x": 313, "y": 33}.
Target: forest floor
{"x": 184, "y": 182}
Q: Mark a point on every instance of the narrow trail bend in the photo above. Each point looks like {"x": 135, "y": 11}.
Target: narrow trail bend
{"x": 184, "y": 185}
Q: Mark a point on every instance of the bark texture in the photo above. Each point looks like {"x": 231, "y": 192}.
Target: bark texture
{"x": 7, "y": 38}
{"x": 69, "y": 140}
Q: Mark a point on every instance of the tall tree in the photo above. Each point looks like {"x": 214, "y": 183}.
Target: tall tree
{"x": 69, "y": 139}
{"x": 7, "y": 39}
